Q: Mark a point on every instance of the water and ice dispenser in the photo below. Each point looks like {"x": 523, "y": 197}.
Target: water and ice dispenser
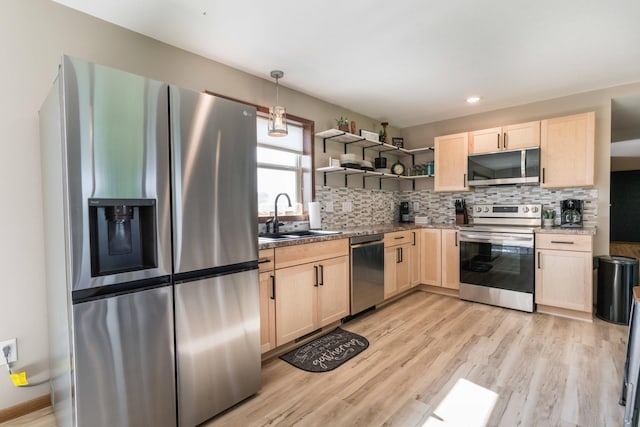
{"x": 122, "y": 235}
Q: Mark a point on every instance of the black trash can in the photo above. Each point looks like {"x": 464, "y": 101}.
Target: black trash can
{"x": 617, "y": 275}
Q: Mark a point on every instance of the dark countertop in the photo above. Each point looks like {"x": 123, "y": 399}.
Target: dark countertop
{"x": 351, "y": 232}
{"x": 559, "y": 230}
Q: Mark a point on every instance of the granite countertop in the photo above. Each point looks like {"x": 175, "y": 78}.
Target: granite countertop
{"x": 559, "y": 230}
{"x": 351, "y": 232}
{"x": 389, "y": 228}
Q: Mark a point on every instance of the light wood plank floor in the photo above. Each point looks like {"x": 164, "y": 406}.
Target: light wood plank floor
{"x": 547, "y": 371}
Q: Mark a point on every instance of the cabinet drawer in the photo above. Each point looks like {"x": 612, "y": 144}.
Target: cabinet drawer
{"x": 566, "y": 242}
{"x": 310, "y": 252}
{"x": 266, "y": 260}
{"x": 398, "y": 238}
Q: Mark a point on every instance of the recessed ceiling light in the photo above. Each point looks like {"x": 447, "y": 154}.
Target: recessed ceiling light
{"x": 473, "y": 99}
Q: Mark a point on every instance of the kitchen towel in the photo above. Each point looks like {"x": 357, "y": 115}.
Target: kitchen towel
{"x": 314, "y": 215}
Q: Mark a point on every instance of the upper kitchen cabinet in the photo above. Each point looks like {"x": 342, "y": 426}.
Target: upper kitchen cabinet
{"x": 451, "y": 162}
{"x": 513, "y": 137}
{"x": 567, "y": 149}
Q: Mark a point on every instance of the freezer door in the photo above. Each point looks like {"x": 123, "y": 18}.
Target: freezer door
{"x": 217, "y": 344}
{"x": 213, "y": 146}
{"x": 124, "y": 360}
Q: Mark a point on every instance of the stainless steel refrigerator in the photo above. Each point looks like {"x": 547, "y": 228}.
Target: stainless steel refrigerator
{"x": 151, "y": 249}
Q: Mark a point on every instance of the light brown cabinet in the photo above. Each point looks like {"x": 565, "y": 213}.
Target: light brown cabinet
{"x": 450, "y": 259}
{"x": 440, "y": 258}
{"x": 397, "y": 262}
{"x": 450, "y": 157}
{"x": 563, "y": 277}
{"x": 523, "y": 135}
{"x": 267, "y": 301}
{"x": 414, "y": 258}
{"x": 567, "y": 150}
{"x": 431, "y": 248}
{"x": 312, "y": 287}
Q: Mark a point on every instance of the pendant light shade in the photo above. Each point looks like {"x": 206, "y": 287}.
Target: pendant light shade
{"x": 277, "y": 114}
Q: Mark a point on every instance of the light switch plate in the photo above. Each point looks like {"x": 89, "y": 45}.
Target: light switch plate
{"x": 328, "y": 207}
{"x": 416, "y": 206}
{"x": 347, "y": 207}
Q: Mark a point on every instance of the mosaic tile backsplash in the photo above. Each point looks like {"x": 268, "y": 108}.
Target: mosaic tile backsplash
{"x": 355, "y": 207}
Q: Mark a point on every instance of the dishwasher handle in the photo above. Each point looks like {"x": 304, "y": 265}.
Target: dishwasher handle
{"x": 362, "y": 245}
{"x": 371, "y": 239}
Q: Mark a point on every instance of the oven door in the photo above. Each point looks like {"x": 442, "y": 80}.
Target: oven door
{"x": 497, "y": 268}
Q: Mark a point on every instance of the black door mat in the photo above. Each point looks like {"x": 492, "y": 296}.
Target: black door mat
{"x": 327, "y": 352}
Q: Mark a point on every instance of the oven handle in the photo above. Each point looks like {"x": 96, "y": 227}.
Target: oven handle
{"x": 524, "y": 242}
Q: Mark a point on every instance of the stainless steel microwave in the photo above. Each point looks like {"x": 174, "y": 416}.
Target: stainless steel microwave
{"x": 504, "y": 167}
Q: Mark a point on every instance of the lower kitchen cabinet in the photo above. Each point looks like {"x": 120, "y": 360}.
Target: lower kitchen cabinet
{"x": 267, "y": 301}
{"x": 564, "y": 265}
{"x": 450, "y": 259}
{"x": 431, "y": 266}
{"x": 414, "y": 258}
{"x": 397, "y": 262}
{"x": 311, "y": 295}
{"x": 396, "y": 270}
{"x": 440, "y": 258}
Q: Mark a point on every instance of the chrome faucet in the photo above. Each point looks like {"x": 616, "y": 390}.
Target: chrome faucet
{"x": 276, "y": 224}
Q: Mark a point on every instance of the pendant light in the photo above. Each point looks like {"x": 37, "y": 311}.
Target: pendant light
{"x": 277, "y": 114}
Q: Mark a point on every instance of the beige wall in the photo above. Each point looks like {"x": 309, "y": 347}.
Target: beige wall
{"x": 598, "y": 101}
{"x": 33, "y": 36}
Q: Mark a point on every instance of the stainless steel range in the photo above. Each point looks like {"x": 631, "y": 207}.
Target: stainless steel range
{"x": 497, "y": 255}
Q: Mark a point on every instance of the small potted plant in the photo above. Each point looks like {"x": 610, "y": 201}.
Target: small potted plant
{"x": 548, "y": 217}
{"x": 343, "y": 124}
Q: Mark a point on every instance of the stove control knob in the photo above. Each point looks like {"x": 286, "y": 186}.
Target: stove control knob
{"x": 534, "y": 209}
{"x": 525, "y": 209}
{"x": 486, "y": 209}
{"x": 478, "y": 209}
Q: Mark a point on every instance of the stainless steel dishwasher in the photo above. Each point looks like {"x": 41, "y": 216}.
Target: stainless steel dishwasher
{"x": 367, "y": 272}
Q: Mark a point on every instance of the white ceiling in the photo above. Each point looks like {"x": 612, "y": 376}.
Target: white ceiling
{"x": 405, "y": 61}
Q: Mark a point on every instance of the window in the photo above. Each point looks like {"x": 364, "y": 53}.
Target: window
{"x": 284, "y": 166}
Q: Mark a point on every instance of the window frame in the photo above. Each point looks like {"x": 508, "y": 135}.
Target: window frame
{"x": 306, "y": 159}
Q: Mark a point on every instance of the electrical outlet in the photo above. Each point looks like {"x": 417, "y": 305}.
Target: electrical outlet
{"x": 416, "y": 206}
{"x": 13, "y": 351}
{"x": 328, "y": 207}
{"x": 347, "y": 207}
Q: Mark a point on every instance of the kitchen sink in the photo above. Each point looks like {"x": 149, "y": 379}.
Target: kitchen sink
{"x": 306, "y": 233}
{"x": 296, "y": 234}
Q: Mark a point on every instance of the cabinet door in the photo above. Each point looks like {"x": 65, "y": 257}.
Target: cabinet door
{"x": 414, "y": 258}
{"x": 403, "y": 279}
{"x": 567, "y": 151}
{"x": 333, "y": 290}
{"x": 431, "y": 257}
{"x": 485, "y": 141}
{"x": 390, "y": 262}
{"x": 267, "y": 312}
{"x": 563, "y": 279}
{"x": 450, "y": 259}
{"x": 296, "y": 302}
{"x": 524, "y": 135}
{"x": 450, "y": 159}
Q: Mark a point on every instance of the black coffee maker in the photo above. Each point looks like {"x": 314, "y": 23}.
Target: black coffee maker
{"x": 571, "y": 213}
{"x": 404, "y": 212}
